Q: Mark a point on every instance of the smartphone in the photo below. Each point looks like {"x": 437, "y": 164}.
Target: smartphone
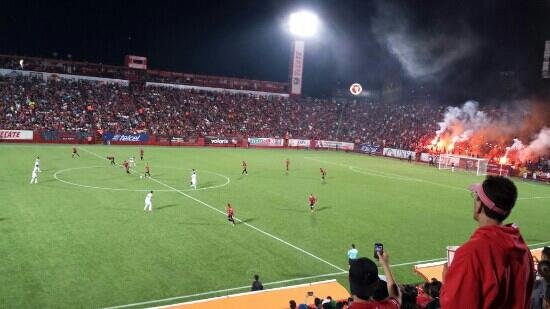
{"x": 378, "y": 247}
{"x": 309, "y": 293}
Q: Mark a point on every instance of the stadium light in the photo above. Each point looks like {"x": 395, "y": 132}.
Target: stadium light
{"x": 303, "y": 24}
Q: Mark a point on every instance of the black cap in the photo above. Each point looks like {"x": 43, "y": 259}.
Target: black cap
{"x": 363, "y": 278}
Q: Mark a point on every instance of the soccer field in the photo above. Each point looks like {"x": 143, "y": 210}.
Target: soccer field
{"x": 80, "y": 239}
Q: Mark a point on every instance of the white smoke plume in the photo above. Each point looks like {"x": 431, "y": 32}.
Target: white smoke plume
{"x": 424, "y": 53}
{"x": 460, "y": 123}
{"x": 426, "y": 58}
{"x": 540, "y": 145}
{"x": 516, "y": 146}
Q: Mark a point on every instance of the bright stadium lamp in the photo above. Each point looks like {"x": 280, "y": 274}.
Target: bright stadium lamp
{"x": 303, "y": 24}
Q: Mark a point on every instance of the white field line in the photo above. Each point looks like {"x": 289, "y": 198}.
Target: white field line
{"x": 278, "y": 282}
{"x": 223, "y": 291}
{"x": 246, "y": 293}
{"x": 239, "y": 220}
{"x": 55, "y": 175}
{"x": 405, "y": 178}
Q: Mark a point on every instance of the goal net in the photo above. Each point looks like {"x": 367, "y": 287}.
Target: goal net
{"x": 463, "y": 163}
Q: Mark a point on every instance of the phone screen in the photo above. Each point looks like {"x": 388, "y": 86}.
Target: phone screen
{"x": 378, "y": 247}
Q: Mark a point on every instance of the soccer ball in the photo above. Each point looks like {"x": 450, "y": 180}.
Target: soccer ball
{"x": 140, "y": 176}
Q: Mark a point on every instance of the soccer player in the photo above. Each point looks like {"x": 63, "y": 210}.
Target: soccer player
{"x": 230, "y": 213}
{"x": 34, "y": 176}
{"x": 132, "y": 162}
{"x": 452, "y": 167}
{"x": 37, "y": 164}
{"x": 245, "y": 172}
{"x": 126, "y": 166}
{"x": 312, "y": 200}
{"x": 75, "y": 152}
{"x": 323, "y": 174}
{"x": 287, "y": 165}
{"x": 141, "y": 153}
{"x": 112, "y": 159}
{"x": 148, "y": 202}
{"x": 194, "y": 179}
{"x": 147, "y": 170}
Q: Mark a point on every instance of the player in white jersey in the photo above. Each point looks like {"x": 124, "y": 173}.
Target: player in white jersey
{"x": 34, "y": 177}
{"x": 132, "y": 162}
{"x": 37, "y": 164}
{"x": 148, "y": 202}
{"x": 194, "y": 179}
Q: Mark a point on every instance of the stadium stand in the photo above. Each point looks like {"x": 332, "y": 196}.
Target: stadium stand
{"x": 85, "y": 106}
{"x": 89, "y": 99}
{"x": 272, "y": 298}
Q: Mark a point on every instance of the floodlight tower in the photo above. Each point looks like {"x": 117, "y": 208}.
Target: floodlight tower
{"x": 302, "y": 25}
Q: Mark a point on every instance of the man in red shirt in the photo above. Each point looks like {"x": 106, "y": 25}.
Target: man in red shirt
{"x": 126, "y": 166}
{"x": 494, "y": 269}
{"x": 230, "y": 213}
{"x": 312, "y": 200}
{"x": 365, "y": 284}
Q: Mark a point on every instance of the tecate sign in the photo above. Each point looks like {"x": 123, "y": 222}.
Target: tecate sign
{"x": 16, "y": 134}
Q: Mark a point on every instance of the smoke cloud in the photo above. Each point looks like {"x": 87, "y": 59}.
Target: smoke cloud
{"x": 424, "y": 54}
{"x": 540, "y": 145}
{"x": 489, "y": 135}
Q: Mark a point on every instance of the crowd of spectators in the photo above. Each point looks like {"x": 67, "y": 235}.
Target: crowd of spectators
{"x": 65, "y": 105}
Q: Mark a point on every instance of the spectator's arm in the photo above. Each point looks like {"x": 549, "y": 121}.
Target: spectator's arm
{"x": 393, "y": 289}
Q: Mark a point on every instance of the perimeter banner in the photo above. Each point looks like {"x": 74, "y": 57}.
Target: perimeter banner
{"x": 16, "y": 135}
{"x": 266, "y": 141}
{"x": 299, "y": 142}
{"x": 370, "y": 148}
{"x": 398, "y": 153}
{"x": 334, "y": 145}
{"x": 126, "y": 137}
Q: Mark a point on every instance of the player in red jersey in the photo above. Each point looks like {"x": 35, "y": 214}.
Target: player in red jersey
{"x": 112, "y": 159}
{"x": 230, "y": 213}
{"x": 147, "y": 170}
{"x": 141, "y": 153}
{"x": 323, "y": 174}
{"x": 312, "y": 200}
{"x": 126, "y": 166}
{"x": 287, "y": 165}
{"x": 75, "y": 152}
{"x": 245, "y": 172}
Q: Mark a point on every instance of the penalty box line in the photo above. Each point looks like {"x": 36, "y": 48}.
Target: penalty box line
{"x": 237, "y": 219}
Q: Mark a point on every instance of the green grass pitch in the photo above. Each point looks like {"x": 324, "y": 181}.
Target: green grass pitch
{"x": 80, "y": 239}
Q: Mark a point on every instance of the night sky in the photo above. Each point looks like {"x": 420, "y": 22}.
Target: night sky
{"x": 458, "y": 48}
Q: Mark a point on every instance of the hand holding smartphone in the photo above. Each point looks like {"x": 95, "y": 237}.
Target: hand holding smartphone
{"x": 378, "y": 248}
